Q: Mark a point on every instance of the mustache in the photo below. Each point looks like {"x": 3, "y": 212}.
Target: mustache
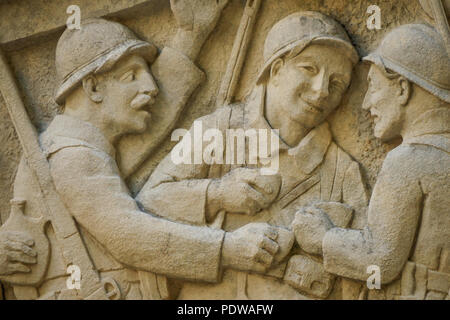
{"x": 313, "y": 103}
{"x": 142, "y": 100}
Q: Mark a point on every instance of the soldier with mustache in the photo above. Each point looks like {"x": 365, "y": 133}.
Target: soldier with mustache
{"x": 106, "y": 88}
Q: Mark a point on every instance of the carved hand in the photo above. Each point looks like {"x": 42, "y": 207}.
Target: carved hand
{"x": 310, "y": 225}
{"x": 339, "y": 213}
{"x": 16, "y": 252}
{"x": 250, "y": 248}
{"x": 308, "y": 276}
{"x": 243, "y": 190}
{"x": 196, "y": 19}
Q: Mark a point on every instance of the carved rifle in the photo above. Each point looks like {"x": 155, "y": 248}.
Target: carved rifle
{"x": 238, "y": 53}
{"x": 54, "y": 211}
{"x": 226, "y": 94}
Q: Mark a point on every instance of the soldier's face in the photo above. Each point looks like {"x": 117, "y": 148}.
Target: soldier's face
{"x": 308, "y": 87}
{"x": 382, "y": 101}
{"x": 129, "y": 90}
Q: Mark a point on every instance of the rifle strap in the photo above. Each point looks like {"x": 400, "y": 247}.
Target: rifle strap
{"x": 66, "y": 231}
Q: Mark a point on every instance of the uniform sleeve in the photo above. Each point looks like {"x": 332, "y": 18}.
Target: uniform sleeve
{"x": 178, "y": 191}
{"x": 393, "y": 216}
{"x": 177, "y": 77}
{"x": 93, "y": 191}
{"x": 354, "y": 193}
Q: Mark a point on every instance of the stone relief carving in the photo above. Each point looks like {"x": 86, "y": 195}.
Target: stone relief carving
{"x": 227, "y": 227}
{"x": 407, "y": 231}
{"x": 308, "y": 66}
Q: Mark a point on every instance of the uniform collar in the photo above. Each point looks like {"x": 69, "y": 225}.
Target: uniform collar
{"x": 434, "y": 121}
{"x": 64, "y": 126}
{"x": 310, "y": 151}
{"x": 432, "y": 128}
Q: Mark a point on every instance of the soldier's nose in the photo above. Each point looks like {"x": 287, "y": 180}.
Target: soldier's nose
{"x": 320, "y": 85}
{"x": 149, "y": 86}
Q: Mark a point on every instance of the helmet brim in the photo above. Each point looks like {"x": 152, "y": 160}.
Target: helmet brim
{"x": 105, "y": 62}
{"x": 431, "y": 87}
{"x": 302, "y": 44}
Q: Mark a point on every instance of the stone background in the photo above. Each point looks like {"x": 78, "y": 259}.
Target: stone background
{"x": 29, "y": 31}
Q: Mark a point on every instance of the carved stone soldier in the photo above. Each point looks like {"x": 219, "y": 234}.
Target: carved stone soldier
{"x": 408, "y": 232}
{"x": 106, "y": 88}
{"x": 308, "y": 62}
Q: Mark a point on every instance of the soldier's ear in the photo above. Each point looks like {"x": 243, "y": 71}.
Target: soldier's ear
{"x": 275, "y": 70}
{"x": 90, "y": 88}
{"x": 405, "y": 90}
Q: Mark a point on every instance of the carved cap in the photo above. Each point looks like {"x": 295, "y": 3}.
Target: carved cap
{"x": 95, "y": 48}
{"x": 301, "y": 29}
{"x": 417, "y": 52}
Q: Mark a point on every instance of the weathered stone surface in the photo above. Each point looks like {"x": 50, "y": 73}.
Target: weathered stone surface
{"x": 32, "y": 20}
{"x": 357, "y": 175}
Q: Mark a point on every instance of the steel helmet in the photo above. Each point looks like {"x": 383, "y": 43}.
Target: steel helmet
{"x": 301, "y": 29}
{"x": 96, "y": 47}
{"x": 417, "y": 52}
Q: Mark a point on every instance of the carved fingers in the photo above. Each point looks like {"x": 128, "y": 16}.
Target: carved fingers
{"x": 265, "y": 255}
{"x": 308, "y": 276}
{"x": 15, "y": 252}
{"x": 265, "y": 249}
{"x": 251, "y": 248}
{"x": 18, "y": 237}
{"x": 244, "y": 190}
{"x": 339, "y": 213}
{"x": 17, "y": 268}
{"x": 256, "y": 247}
{"x": 16, "y": 256}
{"x": 309, "y": 226}
{"x": 269, "y": 185}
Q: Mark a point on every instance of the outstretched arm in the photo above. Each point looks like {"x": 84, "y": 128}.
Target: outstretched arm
{"x": 91, "y": 188}
{"x": 386, "y": 241}
{"x": 99, "y": 201}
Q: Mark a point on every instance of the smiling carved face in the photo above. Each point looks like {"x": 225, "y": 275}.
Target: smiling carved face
{"x": 309, "y": 86}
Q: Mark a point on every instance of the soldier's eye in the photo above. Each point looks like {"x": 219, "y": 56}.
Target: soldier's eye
{"x": 128, "y": 76}
{"x": 307, "y": 67}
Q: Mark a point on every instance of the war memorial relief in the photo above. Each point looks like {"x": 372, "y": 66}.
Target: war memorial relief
{"x": 225, "y": 150}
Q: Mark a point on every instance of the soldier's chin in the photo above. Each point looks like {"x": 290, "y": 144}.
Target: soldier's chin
{"x": 378, "y": 132}
{"x": 384, "y": 134}
{"x": 143, "y": 123}
{"x": 306, "y": 119}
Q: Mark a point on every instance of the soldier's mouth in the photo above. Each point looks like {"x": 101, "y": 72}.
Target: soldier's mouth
{"x": 142, "y": 101}
{"x": 312, "y": 108}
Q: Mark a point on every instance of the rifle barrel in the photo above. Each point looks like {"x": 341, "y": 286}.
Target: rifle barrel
{"x": 66, "y": 231}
